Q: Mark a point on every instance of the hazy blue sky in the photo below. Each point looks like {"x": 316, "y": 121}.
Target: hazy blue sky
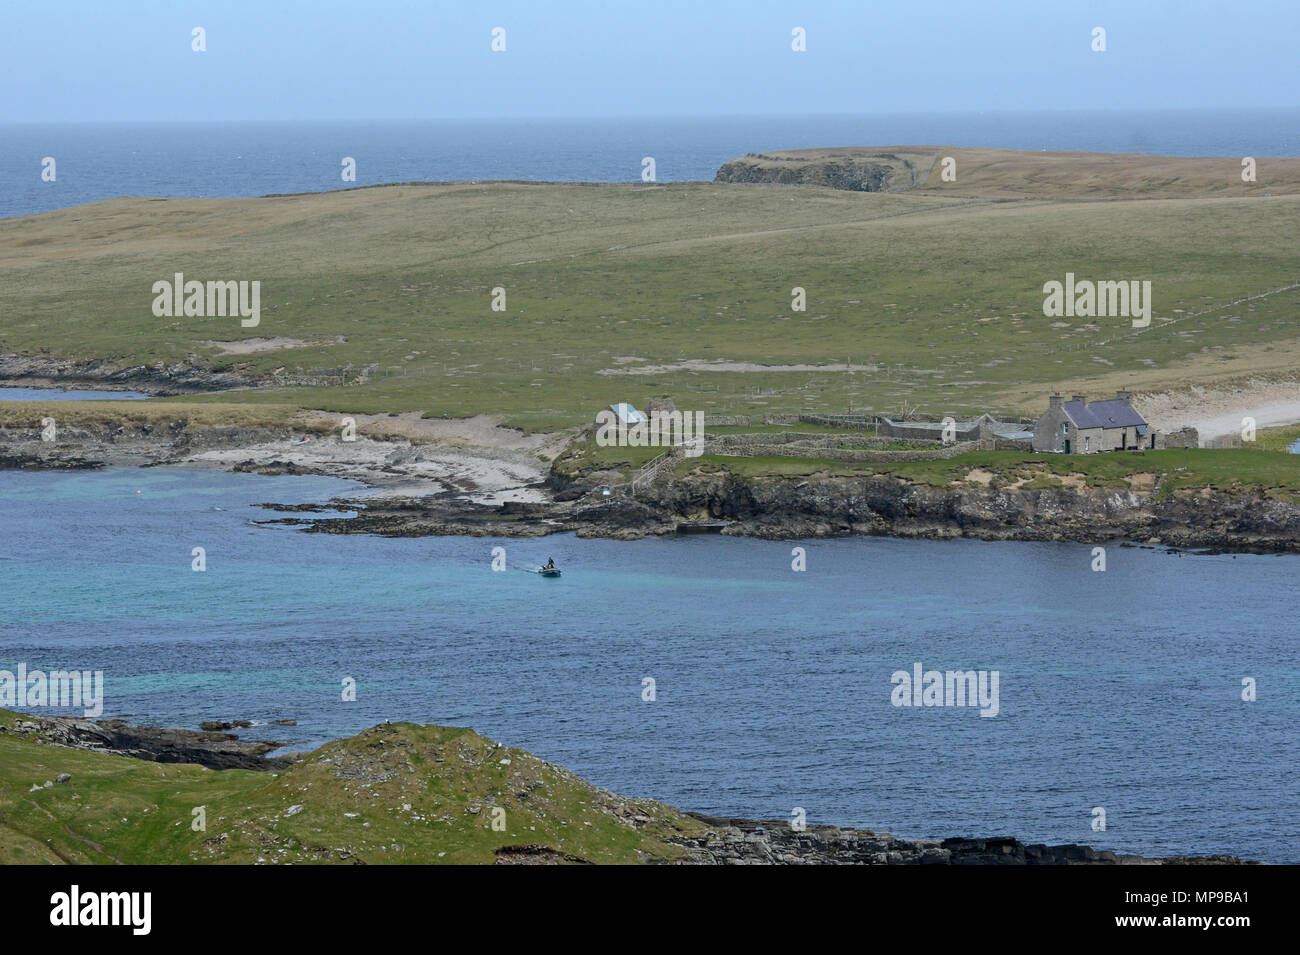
{"x": 328, "y": 59}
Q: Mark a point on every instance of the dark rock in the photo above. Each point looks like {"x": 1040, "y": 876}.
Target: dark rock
{"x": 211, "y": 749}
{"x": 775, "y": 842}
{"x": 851, "y": 173}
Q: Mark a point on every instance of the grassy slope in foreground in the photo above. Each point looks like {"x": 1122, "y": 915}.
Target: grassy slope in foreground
{"x": 418, "y": 794}
{"x": 617, "y": 292}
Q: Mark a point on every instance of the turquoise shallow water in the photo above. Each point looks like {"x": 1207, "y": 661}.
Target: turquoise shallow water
{"x": 1118, "y": 689}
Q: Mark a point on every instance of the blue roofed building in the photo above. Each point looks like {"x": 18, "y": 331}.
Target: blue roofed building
{"x": 622, "y": 415}
{"x": 1080, "y": 426}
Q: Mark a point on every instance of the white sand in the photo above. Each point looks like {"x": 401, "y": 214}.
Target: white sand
{"x": 1218, "y": 413}
{"x": 248, "y": 346}
{"x": 473, "y": 458}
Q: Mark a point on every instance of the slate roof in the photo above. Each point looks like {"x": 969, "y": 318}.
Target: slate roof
{"x": 1114, "y": 413}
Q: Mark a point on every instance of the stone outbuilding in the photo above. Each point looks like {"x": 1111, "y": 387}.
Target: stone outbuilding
{"x": 659, "y": 406}
{"x": 1080, "y": 426}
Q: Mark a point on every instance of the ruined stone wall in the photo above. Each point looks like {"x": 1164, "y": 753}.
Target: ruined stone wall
{"x": 1182, "y": 438}
{"x": 794, "y": 449}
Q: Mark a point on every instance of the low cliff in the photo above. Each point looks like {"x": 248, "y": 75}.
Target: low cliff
{"x": 783, "y": 508}
{"x": 855, "y": 170}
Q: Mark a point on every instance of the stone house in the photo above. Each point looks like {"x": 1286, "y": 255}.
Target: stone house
{"x": 1080, "y": 426}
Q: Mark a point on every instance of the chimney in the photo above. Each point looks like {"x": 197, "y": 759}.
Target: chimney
{"x": 1081, "y": 399}
{"x": 1055, "y": 401}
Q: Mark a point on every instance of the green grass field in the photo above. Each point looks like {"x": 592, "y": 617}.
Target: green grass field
{"x": 618, "y": 292}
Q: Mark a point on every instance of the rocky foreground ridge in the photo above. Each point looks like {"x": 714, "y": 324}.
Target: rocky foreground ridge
{"x": 395, "y": 793}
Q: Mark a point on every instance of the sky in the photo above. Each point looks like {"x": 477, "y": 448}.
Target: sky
{"x": 132, "y": 60}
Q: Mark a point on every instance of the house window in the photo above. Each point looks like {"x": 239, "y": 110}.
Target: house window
{"x": 1086, "y": 441}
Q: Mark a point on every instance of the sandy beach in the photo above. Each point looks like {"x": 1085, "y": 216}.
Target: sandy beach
{"x": 474, "y": 459}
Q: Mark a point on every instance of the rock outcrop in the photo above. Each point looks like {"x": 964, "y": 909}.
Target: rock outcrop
{"x": 790, "y": 508}
{"x": 129, "y": 443}
{"x": 156, "y": 379}
{"x": 783, "y": 508}
{"x": 855, "y": 169}
{"x": 213, "y": 750}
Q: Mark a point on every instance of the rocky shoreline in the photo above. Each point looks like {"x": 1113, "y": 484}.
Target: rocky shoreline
{"x": 790, "y": 509}
{"x": 429, "y": 486}
{"x": 774, "y": 508}
{"x": 775, "y": 842}
{"x": 161, "y": 379}
{"x": 720, "y": 841}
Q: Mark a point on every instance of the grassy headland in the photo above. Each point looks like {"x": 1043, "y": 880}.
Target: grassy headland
{"x": 395, "y": 793}
{"x": 405, "y": 793}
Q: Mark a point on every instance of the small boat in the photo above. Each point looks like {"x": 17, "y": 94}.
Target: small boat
{"x": 550, "y": 571}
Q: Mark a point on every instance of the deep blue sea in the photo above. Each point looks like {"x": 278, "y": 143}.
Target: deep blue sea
{"x": 1119, "y": 689}
{"x": 103, "y": 161}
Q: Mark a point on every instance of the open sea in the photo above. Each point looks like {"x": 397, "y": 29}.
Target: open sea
{"x": 102, "y": 161}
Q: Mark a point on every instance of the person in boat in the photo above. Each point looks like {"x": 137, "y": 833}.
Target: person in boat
{"x": 550, "y": 564}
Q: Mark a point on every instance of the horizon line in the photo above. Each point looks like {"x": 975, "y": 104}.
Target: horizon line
{"x": 1002, "y": 111}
